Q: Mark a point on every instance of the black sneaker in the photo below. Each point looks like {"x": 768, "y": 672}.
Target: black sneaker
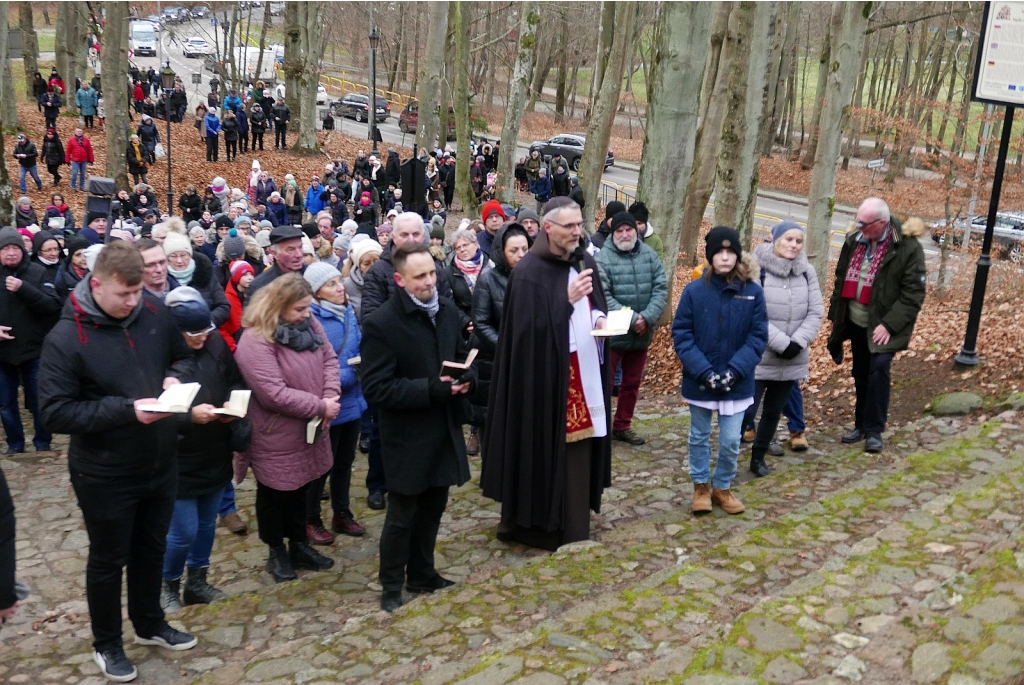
{"x": 168, "y": 638}
{"x": 364, "y": 444}
{"x": 376, "y": 500}
{"x": 438, "y": 582}
{"x": 628, "y": 436}
{"x": 304, "y": 556}
{"x": 115, "y": 665}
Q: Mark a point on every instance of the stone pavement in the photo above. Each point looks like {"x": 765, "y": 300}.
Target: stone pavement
{"x": 846, "y": 567}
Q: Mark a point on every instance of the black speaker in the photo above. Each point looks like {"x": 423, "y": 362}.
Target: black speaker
{"x": 100, "y": 185}
{"x": 414, "y": 188}
{"x": 100, "y": 205}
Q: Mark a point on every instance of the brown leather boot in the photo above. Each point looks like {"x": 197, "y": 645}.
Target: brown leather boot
{"x": 728, "y": 501}
{"x": 701, "y": 498}
{"x": 798, "y": 442}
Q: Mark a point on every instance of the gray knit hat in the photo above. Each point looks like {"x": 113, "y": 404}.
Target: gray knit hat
{"x": 318, "y": 273}
{"x": 234, "y": 246}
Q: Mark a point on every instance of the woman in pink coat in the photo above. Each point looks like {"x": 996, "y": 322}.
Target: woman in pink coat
{"x": 292, "y": 370}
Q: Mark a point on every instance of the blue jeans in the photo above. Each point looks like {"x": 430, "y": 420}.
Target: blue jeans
{"x": 25, "y": 374}
{"x": 24, "y": 171}
{"x": 730, "y": 429}
{"x": 794, "y": 410}
{"x": 78, "y": 170}
{"x": 190, "y": 537}
{"x": 227, "y": 502}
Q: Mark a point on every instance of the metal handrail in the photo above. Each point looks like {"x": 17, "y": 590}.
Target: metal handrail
{"x": 343, "y": 86}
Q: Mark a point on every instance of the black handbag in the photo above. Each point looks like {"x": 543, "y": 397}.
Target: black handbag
{"x": 241, "y": 434}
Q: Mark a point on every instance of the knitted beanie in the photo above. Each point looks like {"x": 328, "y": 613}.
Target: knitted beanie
{"x": 318, "y": 273}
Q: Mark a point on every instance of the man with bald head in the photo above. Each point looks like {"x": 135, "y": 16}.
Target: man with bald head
{"x": 879, "y": 290}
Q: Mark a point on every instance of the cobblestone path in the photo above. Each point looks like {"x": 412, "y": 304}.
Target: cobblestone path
{"x": 902, "y": 568}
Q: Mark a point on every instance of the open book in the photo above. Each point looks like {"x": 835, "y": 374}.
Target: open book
{"x": 176, "y": 399}
{"x": 238, "y": 404}
{"x": 313, "y": 429}
{"x": 457, "y": 369}
{"x": 617, "y": 323}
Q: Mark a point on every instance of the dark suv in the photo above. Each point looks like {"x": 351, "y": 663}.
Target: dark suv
{"x": 570, "y": 146}
{"x": 354, "y": 106}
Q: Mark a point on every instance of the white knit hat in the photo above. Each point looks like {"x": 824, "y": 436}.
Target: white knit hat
{"x": 176, "y": 242}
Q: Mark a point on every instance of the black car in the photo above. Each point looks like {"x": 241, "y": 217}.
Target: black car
{"x": 355, "y": 106}
{"x": 200, "y": 12}
{"x": 570, "y": 146}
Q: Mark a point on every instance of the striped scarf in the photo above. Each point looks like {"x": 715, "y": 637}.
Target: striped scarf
{"x": 853, "y": 271}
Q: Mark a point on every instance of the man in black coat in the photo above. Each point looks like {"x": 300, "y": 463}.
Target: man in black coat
{"x": 29, "y": 305}
{"x": 281, "y": 115}
{"x": 108, "y": 355}
{"x": 421, "y": 415}
{"x": 8, "y": 597}
{"x": 548, "y": 430}
{"x": 286, "y": 246}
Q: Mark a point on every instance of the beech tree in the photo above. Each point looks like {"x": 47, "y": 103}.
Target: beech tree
{"x": 429, "y": 93}
{"x": 115, "y": 95}
{"x": 29, "y": 45}
{"x": 847, "y": 25}
{"x": 528, "y": 21}
{"x": 303, "y": 44}
{"x": 8, "y": 111}
{"x": 462, "y": 133}
{"x": 676, "y": 74}
{"x": 602, "y": 117}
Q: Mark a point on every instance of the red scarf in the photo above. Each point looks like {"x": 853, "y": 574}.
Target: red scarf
{"x": 853, "y": 271}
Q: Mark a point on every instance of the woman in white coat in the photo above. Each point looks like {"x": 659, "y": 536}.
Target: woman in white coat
{"x": 795, "y": 311}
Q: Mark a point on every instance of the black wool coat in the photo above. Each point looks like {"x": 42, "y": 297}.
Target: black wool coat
{"x": 524, "y": 438}
{"x": 421, "y": 437}
{"x": 31, "y": 311}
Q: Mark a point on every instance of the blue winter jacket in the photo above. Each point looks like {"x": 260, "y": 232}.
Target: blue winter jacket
{"x": 233, "y": 102}
{"x": 541, "y": 188}
{"x": 243, "y": 120}
{"x": 212, "y": 125}
{"x": 278, "y": 213}
{"x": 720, "y": 326}
{"x": 313, "y": 202}
{"x": 352, "y": 403}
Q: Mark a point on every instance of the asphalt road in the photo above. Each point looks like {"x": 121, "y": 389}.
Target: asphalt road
{"x": 770, "y": 208}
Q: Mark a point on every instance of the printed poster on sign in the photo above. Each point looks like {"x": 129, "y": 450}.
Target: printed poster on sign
{"x": 999, "y": 73}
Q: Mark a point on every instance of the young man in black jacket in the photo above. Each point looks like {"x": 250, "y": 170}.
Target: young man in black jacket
{"x": 109, "y": 354}
{"x": 421, "y": 415}
{"x": 29, "y": 305}
{"x": 281, "y": 115}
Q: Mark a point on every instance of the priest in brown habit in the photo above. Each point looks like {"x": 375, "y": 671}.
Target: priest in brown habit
{"x": 547, "y": 448}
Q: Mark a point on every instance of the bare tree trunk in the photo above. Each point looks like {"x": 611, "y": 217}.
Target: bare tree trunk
{"x": 488, "y": 55}
{"x": 6, "y": 191}
{"x": 778, "y": 95}
{"x": 29, "y": 45}
{"x": 563, "y": 64}
{"x": 849, "y": 20}
{"x": 429, "y": 93}
{"x": 115, "y": 94}
{"x": 602, "y": 117}
{"x": 542, "y": 66}
{"x": 400, "y": 50}
{"x": 267, "y": 19}
{"x": 416, "y": 50}
{"x": 294, "y": 13}
{"x": 709, "y": 135}
{"x": 605, "y": 33}
{"x": 65, "y": 15}
{"x": 462, "y": 133}
{"x": 741, "y": 145}
{"x": 230, "y": 47}
{"x": 312, "y": 50}
{"x": 665, "y": 170}
{"x": 520, "y": 82}
{"x": 8, "y": 111}
{"x": 81, "y": 45}
{"x": 819, "y": 96}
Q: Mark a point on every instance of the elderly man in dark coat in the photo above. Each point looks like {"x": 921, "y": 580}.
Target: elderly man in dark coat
{"x": 421, "y": 415}
{"x": 547, "y": 453}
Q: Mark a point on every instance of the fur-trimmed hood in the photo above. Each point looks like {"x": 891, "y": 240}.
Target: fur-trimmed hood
{"x": 913, "y": 227}
{"x": 252, "y": 249}
{"x": 766, "y": 259}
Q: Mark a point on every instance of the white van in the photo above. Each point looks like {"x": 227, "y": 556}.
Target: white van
{"x": 142, "y": 38}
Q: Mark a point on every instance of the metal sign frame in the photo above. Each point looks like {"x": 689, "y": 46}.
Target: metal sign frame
{"x": 998, "y": 11}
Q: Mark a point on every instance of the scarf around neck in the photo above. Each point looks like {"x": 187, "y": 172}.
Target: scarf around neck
{"x": 853, "y": 271}
{"x": 337, "y": 309}
{"x": 184, "y": 277}
{"x": 431, "y": 306}
{"x": 471, "y": 268}
{"x": 299, "y": 337}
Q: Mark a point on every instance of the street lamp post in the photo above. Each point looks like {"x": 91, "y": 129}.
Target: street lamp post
{"x": 167, "y": 81}
{"x": 371, "y": 108}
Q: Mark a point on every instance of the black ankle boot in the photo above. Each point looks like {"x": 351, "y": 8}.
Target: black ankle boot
{"x": 279, "y": 565}
{"x": 304, "y": 556}
{"x": 758, "y": 467}
{"x": 197, "y": 590}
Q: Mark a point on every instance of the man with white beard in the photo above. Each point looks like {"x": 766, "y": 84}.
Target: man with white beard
{"x": 632, "y": 277}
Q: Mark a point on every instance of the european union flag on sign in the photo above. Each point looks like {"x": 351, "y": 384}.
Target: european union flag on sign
{"x": 1012, "y": 87}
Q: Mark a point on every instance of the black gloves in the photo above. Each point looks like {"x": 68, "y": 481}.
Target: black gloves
{"x": 791, "y": 351}
{"x": 439, "y": 390}
{"x": 728, "y": 380}
{"x": 717, "y": 383}
{"x": 712, "y": 380}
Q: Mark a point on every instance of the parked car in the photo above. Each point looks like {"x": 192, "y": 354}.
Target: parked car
{"x": 321, "y": 93}
{"x": 276, "y": 9}
{"x": 409, "y": 118}
{"x": 155, "y": 20}
{"x": 195, "y": 47}
{"x": 355, "y": 106}
{"x": 170, "y": 13}
{"x": 1007, "y": 236}
{"x": 570, "y": 146}
{"x": 200, "y": 12}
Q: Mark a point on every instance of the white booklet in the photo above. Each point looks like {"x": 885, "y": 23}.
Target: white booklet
{"x": 314, "y": 429}
{"x": 176, "y": 399}
{"x": 617, "y": 323}
{"x": 238, "y": 404}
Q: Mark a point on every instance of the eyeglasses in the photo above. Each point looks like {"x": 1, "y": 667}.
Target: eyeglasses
{"x": 202, "y": 334}
{"x": 862, "y": 224}
{"x": 575, "y": 224}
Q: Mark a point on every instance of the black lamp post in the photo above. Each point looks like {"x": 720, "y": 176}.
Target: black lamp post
{"x": 371, "y": 110}
{"x": 167, "y": 81}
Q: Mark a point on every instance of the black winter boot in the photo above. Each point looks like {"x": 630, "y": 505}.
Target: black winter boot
{"x": 197, "y": 590}
{"x": 170, "y": 596}
{"x": 757, "y": 465}
{"x": 279, "y": 565}
{"x": 304, "y": 556}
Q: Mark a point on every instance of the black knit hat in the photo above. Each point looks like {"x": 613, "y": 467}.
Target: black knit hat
{"x": 722, "y": 238}
{"x": 623, "y": 218}
{"x": 311, "y": 230}
{"x": 613, "y": 208}
{"x": 639, "y": 211}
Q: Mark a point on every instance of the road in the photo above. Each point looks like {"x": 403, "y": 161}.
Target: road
{"x": 769, "y": 210}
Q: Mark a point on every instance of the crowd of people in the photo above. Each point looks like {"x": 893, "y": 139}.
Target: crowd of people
{"x": 354, "y": 324}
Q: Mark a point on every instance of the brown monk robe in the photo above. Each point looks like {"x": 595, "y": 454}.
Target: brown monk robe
{"x": 542, "y": 458}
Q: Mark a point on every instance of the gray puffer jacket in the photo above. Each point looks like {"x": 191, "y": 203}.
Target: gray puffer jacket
{"x": 795, "y": 311}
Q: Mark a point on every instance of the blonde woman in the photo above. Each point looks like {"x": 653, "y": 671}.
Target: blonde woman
{"x": 293, "y": 372}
